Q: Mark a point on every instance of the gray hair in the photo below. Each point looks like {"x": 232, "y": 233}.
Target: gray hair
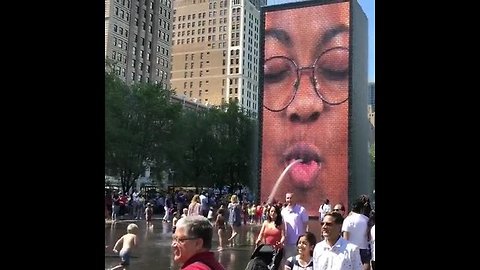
{"x": 197, "y": 226}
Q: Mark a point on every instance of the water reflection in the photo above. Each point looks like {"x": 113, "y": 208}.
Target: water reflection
{"x": 154, "y": 247}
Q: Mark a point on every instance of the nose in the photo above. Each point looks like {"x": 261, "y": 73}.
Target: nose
{"x": 307, "y": 105}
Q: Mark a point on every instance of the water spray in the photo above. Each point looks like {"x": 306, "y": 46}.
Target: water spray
{"x": 280, "y": 179}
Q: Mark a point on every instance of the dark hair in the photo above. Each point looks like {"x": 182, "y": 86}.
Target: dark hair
{"x": 337, "y": 217}
{"x": 312, "y": 240}
{"x": 362, "y": 205}
{"x": 278, "y": 220}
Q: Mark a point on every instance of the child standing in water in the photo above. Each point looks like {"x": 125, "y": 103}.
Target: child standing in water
{"x": 128, "y": 242}
{"x": 221, "y": 228}
{"x": 149, "y": 214}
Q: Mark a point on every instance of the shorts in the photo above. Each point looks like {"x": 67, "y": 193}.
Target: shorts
{"x": 365, "y": 255}
{"x": 125, "y": 256}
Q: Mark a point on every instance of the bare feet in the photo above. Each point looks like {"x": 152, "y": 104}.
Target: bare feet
{"x": 233, "y": 236}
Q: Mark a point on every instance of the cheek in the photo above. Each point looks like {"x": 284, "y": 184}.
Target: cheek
{"x": 273, "y": 129}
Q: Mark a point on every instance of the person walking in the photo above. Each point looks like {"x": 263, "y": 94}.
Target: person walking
{"x": 192, "y": 242}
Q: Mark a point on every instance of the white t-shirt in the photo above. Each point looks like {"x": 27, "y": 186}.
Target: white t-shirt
{"x": 356, "y": 225}
{"x": 295, "y": 220}
{"x": 324, "y": 208}
{"x": 372, "y": 241}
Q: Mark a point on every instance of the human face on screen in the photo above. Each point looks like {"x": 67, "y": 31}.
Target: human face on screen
{"x": 305, "y": 102}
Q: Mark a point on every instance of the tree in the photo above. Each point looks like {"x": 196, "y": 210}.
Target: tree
{"x": 204, "y": 148}
{"x": 138, "y": 118}
{"x": 235, "y": 132}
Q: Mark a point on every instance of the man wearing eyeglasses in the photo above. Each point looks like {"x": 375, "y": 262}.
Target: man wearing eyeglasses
{"x": 339, "y": 208}
{"x": 192, "y": 242}
{"x": 305, "y": 102}
{"x": 334, "y": 252}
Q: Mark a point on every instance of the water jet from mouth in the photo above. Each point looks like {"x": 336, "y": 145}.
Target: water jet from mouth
{"x": 280, "y": 179}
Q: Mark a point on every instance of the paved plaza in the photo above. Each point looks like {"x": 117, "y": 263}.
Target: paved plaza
{"x": 154, "y": 251}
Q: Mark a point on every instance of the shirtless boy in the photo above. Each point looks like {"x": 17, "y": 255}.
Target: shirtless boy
{"x": 128, "y": 241}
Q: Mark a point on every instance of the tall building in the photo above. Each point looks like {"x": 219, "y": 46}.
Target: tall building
{"x": 215, "y": 51}
{"x": 138, "y": 39}
{"x": 371, "y": 102}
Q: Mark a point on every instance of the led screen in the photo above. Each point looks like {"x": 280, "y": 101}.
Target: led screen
{"x": 305, "y": 97}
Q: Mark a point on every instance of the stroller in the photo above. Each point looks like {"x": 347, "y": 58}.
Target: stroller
{"x": 265, "y": 257}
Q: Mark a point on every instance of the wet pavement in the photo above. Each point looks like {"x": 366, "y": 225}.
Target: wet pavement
{"x": 154, "y": 251}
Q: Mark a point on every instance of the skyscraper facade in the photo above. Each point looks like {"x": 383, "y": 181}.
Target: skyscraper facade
{"x": 371, "y": 102}
{"x": 138, "y": 39}
{"x": 215, "y": 51}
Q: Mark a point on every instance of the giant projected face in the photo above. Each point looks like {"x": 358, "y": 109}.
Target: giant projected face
{"x": 305, "y": 104}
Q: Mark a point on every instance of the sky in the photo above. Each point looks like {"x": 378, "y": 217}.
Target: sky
{"x": 368, "y": 7}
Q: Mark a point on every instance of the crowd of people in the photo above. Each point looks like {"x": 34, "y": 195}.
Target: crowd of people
{"x": 345, "y": 241}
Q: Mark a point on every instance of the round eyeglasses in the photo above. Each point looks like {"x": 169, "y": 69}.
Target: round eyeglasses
{"x": 328, "y": 75}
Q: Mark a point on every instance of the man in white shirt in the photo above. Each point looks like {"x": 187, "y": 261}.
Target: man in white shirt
{"x": 355, "y": 228}
{"x": 335, "y": 253}
{"x": 295, "y": 218}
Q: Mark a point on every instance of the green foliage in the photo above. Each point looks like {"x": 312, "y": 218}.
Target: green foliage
{"x": 137, "y": 118}
{"x": 206, "y": 148}
{"x": 216, "y": 146}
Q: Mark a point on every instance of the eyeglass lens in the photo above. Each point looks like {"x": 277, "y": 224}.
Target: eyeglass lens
{"x": 328, "y": 75}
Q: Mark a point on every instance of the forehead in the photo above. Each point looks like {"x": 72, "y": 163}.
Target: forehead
{"x": 329, "y": 219}
{"x": 303, "y": 239}
{"x": 316, "y": 16}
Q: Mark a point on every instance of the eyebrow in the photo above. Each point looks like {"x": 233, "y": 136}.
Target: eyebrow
{"x": 331, "y": 33}
{"x": 283, "y": 36}
{"x": 280, "y": 35}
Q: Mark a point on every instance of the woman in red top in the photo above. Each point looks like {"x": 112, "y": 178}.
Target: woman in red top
{"x": 272, "y": 231}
